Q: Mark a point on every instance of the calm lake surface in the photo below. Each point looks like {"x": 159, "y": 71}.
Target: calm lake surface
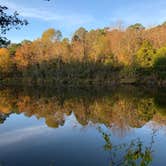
{"x": 85, "y": 127}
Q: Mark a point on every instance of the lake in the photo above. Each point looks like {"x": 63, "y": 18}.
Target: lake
{"x": 82, "y": 127}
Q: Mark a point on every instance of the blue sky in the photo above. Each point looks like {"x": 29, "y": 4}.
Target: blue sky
{"x": 69, "y": 15}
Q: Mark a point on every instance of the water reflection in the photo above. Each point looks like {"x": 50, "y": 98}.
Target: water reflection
{"x": 117, "y": 109}
{"x": 112, "y": 113}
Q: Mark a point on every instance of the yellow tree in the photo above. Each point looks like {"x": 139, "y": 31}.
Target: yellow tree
{"x": 101, "y": 50}
{"x": 24, "y": 56}
{"x": 51, "y": 35}
{"x": 5, "y": 60}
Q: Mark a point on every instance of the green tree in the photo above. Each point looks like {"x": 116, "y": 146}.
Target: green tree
{"x": 160, "y": 62}
{"x": 160, "y": 59}
{"x": 145, "y": 55}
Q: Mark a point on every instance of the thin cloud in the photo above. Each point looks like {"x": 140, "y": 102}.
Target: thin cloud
{"x": 46, "y": 14}
{"x": 142, "y": 12}
{"x": 21, "y": 134}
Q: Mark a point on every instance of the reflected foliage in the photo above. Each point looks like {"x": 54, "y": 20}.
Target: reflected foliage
{"x": 118, "y": 107}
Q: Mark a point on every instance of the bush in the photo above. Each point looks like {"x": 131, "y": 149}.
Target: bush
{"x": 160, "y": 63}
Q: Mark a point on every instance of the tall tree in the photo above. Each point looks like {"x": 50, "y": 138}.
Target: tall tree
{"x": 80, "y": 34}
{"x": 79, "y": 38}
{"x": 4, "y": 60}
{"x": 51, "y": 35}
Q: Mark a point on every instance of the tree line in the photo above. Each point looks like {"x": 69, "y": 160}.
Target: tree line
{"x": 101, "y": 56}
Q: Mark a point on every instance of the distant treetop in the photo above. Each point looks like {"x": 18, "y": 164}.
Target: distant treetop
{"x": 136, "y": 26}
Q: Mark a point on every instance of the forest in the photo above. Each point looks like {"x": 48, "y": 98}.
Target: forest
{"x": 108, "y": 56}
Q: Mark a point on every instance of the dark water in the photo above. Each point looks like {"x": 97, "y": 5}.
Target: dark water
{"x": 85, "y": 127}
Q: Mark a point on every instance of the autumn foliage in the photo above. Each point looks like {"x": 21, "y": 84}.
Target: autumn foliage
{"x": 101, "y": 55}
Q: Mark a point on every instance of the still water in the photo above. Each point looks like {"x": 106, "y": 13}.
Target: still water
{"x": 85, "y": 127}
